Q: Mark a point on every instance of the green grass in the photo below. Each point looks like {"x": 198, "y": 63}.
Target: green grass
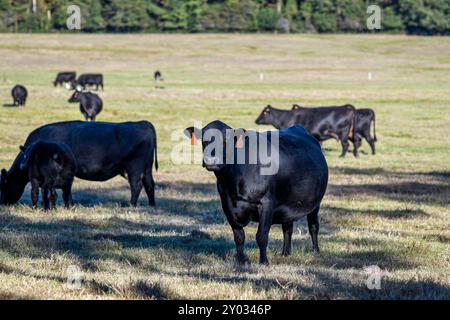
{"x": 390, "y": 210}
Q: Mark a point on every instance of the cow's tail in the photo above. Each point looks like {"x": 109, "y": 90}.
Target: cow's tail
{"x": 374, "y": 130}
{"x": 354, "y": 123}
{"x": 156, "y": 148}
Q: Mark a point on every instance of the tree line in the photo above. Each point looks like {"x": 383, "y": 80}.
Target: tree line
{"x": 294, "y": 16}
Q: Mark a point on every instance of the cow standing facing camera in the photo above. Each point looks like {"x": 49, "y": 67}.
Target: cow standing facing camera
{"x": 276, "y": 187}
{"x": 50, "y": 166}
{"x": 90, "y": 104}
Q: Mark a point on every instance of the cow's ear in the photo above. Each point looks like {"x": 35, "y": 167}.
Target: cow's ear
{"x": 4, "y": 174}
{"x": 239, "y": 135}
{"x": 191, "y": 133}
{"x": 22, "y": 148}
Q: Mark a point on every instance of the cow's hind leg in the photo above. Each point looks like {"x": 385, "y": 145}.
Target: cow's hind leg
{"x": 370, "y": 140}
{"x": 135, "y": 180}
{"x": 149, "y": 186}
{"x": 345, "y": 145}
{"x": 288, "y": 229}
{"x": 313, "y": 227}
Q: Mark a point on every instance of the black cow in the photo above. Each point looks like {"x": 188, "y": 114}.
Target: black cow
{"x": 65, "y": 77}
{"x": 158, "y": 78}
{"x": 364, "y": 119}
{"x": 19, "y": 94}
{"x": 90, "y": 104}
{"x": 323, "y": 122}
{"x": 88, "y": 79}
{"x": 295, "y": 190}
{"x": 50, "y": 166}
{"x": 102, "y": 151}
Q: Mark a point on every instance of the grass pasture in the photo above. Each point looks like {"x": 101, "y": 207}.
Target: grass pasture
{"x": 390, "y": 210}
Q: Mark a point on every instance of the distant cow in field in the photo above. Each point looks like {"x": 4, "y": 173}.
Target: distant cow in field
{"x": 87, "y": 79}
{"x": 19, "y": 94}
{"x": 50, "y": 166}
{"x": 290, "y": 193}
{"x": 158, "y": 78}
{"x": 90, "y": 104}
{"x": 65, "y": 78}
{"x": 364, "y": 119}
{"x": 102, "y": 151}
{"x": 323, "y": 123}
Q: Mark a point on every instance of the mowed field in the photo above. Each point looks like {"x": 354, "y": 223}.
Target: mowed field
{"x": 390, "y": 210}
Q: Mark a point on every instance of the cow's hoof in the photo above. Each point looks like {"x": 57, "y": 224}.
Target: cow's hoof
{"x": 285, "y": 253}
{"x": 264, "y": 263}
{"x": 243, "y": 260}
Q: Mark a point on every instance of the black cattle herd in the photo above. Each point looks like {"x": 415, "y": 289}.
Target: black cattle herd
{"x": 55, "y": 153}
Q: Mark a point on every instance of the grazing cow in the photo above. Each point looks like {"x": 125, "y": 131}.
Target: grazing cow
{"x": 364, "y": 119}
{"x": 294, "y": 191}
{"x": 323, "y": 122}
{"x": 87, "y": 79}
{"x": 102, "y": 151}
{"x": 65, "y": 77}
{"x": 50, "y": 166}
{"x": 90, "y": 104}
{"x": 19, "y": 94}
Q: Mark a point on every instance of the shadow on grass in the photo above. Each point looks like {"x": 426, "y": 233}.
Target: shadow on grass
{"x": 430, "y": 193}
{"x": 388, "y": 214}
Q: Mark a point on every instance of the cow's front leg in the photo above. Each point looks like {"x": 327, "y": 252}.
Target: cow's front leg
{"x": 262, "y": 236}
{"x": 53, "y": 198}
{"x": 288, "y": 228}
{"x": 34, "y": 193}
{"x": 239, "y": 239}
{"x": 45, "y": 199}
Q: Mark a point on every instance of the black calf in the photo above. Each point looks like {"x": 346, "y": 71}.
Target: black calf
{"x": 50, "y": 166}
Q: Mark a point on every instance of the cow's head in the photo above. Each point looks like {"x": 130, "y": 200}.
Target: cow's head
{"x": 216, "y": 138}
{"x": 266, "y": 116}
{"x": 27, "y": 156}
{"x": 75, "y": 96}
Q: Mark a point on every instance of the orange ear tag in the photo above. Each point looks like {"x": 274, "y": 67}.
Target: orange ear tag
{"x": 240, "y": 142}
{"x": 193, "y": 139}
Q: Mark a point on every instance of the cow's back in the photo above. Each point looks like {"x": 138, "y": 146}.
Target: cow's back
{"x": 101, "y": 149}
